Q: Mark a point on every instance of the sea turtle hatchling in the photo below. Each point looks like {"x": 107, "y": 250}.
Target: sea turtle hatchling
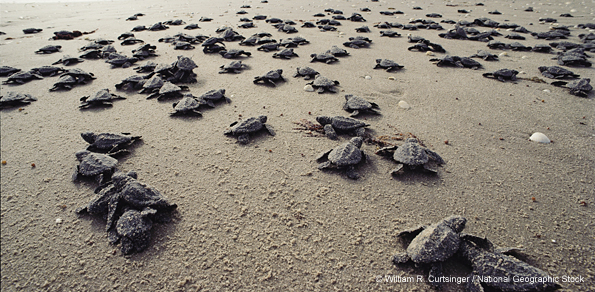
{"x": 65, "y": 82}
{"x": 101, "y": 98}
{"x": 345, "y": 156}
{"x": 22, "y": 77}
{"x": 11, "y": 99}
{"x": 270, "y": 77}
{"x": 135, "y": 82}
{"x": 48, "y": 49}
{"x": 306, "y": 72}
{"x": 213, "y": 95}
{"x": 48, "y": 70}
{"x": 133, "y": 230}
{"x": 168, "y": 90}
{"x": 152, "y": 85}
{"x": 412, "y": 155}
{"x": 325, "y": 58}
{"x": 322, "y": 84}
{"x": 285, "y": 54}
{"x": 556, "y": 72}
{"x": 233, "y": 53}
{"x": 337, "y": 52}
{"x": 109, "y": 143}
{"x": 188, "y": 105}
{"x": 94, "y": 165}
{"x": 7, "y": 70}
{"x": 577, "y": 87}
{"x": 502, "y": 75}
{"x": 357, "y": 43}
{"x": 432, "y": 245}
{"x": 339, "y": 124}
{"x": 487, "y": 56}
{"x": 252, "y": 125}
{"x": 389, "y": 65}
{"x": 357, "y": 105}
{"x": 233, "y": 67}
{"x": 81, "y": 76}
{"x": 68, "y": 60}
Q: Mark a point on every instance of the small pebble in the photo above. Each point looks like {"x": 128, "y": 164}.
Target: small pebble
{"x": 503, "y": 54}
{"x": 308, "y": 88}
{"x": 403, "y": 104}
{"x": 391, "y": 78}
{"x": 573, "y": 10}
{"x": 428, "y": 53}
{"x": 547, "y": 91}
{"x": 539, "y": 138}
{"x": 524, "y": 57}
{"x": 58, "y": 220}
{"x": 368, "y": 77}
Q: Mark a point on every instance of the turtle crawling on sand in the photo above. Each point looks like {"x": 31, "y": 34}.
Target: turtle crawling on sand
{"x": 502, "y": 75}
{"x": 413, "y": 156}
{"x": 345, "y": 156}
{"x": 94, "y": 165}
{"x": 188, "y": 105}
{"x": 11, "y": 99}
{"x": 133, "y": 230}
{"x": 356, "y": 104}
{"x": 322, "y": 84}
{"x": 252, "y": 125}
{"x": 578, "y": 87}
{"x": 387, "y": 64}
{"x": 306, "y": 72}
{"x": 270, "y": 77}
{"x": 556, "y": 72}
{"x": 101, "y": 98}
{"x": 233, "y": 67}
{"x": 22, "y": 77}
{"x": 109, "y": 143}
{"x": 168, "y": 90}
{"x": 340, "y": 124}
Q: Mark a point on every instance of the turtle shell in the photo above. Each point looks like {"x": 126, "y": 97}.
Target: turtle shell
{"x": 356, "y": 103}
{"x": 322, "y": 81}
{"x": 274, "y": 74}
{"x": 12, "y": 97}
{"x": 188, "y": 103}
{"x": 154, "y": 82}
{"x": 213, "y": 94}
{"x": 250, "y": 125}
{"x": 169, "y": 87}
{"x": 101, "y": 95}
{"x": 94, "y": 163}
{"x": 411, "y": 153}
{"x": 346, "y": 124}
{"x": 436, "y": 243}
{"x": 105, "y": 141}
{"x": 135, "y": 229}
{"x": 345, "y": 154}
{"x": 306, "y": 71}
{"x": 185, "y": 63}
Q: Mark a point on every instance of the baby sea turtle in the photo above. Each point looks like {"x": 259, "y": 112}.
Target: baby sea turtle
{"x": 357, "y": 105}
{"x": 152, "y": 85}
{"x": 234, "y": 53}
{"x": 68, "y": 60}
{"x": 542, "y": 48}
{"x": 81, "y": 76}
{"x": 135, "y": 82}
{"x": 133, "y": 229}
{"x": 131, "y": 41}
{"x": 578, "y": 87}
{"x": 356, "y": 44}
{"x": 286, "y": 28}
{"x": 65, "y": 82}
{"x": 270, "y": 77}
{"x": 432, "y": 245}
{"x": 516, "y": 46}
{"x": 252, "y": 125}
{"x": 456, "y": 61}
{"x": 269, "y": 47}
{"x": 306, "y": 72}
{"x": 181, "y": 45}
{"x": 574, "y": 60}
{"x": 364, "y": 28}
{"x": 412, "y": 155}
{"x": 7, "y": 70}
{"x": 502, "y": 75}
{"x": 31, "y": 30}
{"x": 389, "y": 33}
{"x": 48, "y": 70}
{"x": 322, "y": 84}
{"x": 285, "y": 54}
{"x": 188, "y": 105}
{"x": 556, "y": 72}
{"x": 325, "y": 57}
{"x": 487, "y": 56}
{"x": 487, "y": 263}
{"x": 168, "y": 90}
{"x": 213, "y": 95}
{"x": 192, "y": 26}
{"x": 94, "y": 165}
{"x": 11, "y": 99}
{"x": 250, "y": 41}
{"x": 345, "y": 156}
{"x": 21, "y": 77}
{"x": 389, "y": 65}
{"x": 340, "y": 124}
{"x": 109, "y": 143}
{"x": 337, "y": 52}
{"x": 48, "y": 49}
{"x": 233, "y": 67}
{"x": 101, "y": 98}
{"x": 123, "y": 62}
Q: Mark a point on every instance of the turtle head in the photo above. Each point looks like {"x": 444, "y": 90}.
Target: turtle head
{"x": 348, "y": 96}
{"x": 89, "y": 137}
{"x": 411, "y": 140}
{"x": 456, "y": 223}
{"x": 80, "y": 155}
{"x": 323, "y": 120}
{"x": 279, "y": 71}
{"x": 378, "y": 60}
{"x": 357, "y": 141}
{"x": 262, "y": 119}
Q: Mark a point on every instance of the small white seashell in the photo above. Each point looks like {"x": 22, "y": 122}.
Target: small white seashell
{"x": 341, "y": 33}
{"x": 524, "y": 57}
{"x": 522, "y": 72}
{"x": 573, "y": 10}
{"x": 368, "y": 77}
{"x": 403, "y": 104}
{"x": 547, "y": 91}
{"x": 58, "y": 220}
{"x": 503, "y": 54}
{"x": 308, "y": 88}
{"x": 540, "y": 138}
{"x": 429, "y": 53}
{"x": 391, "y": 78}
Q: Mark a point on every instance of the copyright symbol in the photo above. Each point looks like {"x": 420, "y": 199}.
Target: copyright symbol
{"x": 378, "y": 279}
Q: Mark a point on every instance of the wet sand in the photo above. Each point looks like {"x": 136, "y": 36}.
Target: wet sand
{"x": 262, "y": 217}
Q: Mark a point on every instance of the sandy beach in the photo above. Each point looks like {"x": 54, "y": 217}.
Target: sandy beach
{"x": 261, "y": 216}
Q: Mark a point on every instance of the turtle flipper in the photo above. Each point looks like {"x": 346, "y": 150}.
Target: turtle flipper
{"x": 330, "y": 132}
{"x": 270, "y": 129}
{"x": 351, "y": 172}
{"x": 397, "y": 169}
{"x": 325, "y": 165}
{"x": 244, "y": 138}
{"x": 354, "y": 113}
{"x": 431, "y": 167}
{"x": 323, "y": 155}
{"x": 436, "y": 273}
{"x": 401, "y": 258}
{"x": 360, "y": 132}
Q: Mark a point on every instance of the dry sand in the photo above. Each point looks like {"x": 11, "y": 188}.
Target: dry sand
{"x": 261, "y": 217}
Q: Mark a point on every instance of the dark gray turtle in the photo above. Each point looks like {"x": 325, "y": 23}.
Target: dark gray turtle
{"x": 123, "y": 62}
{"x": 137, "y": 28}
{"x": 175, "y": 22}
{"x": 7, "y": 70}
{"x": 168, "y": 90}
{"x": 300, "y": 40}
{"x": 337, "y": 52}
{"x": 456, "y": 61}
{"x": 542, "y": 48}
{"x": 502, "y": 75}
{"x": 345, "y": 156}
{"x": 234, "y": 53}
{"x": 516, "y": 46}
{"x": 250, "y": 41}
{"x": 270, "y": 77}
{"x": 389, "y": 33}
{"x": 326, "y": 58}
{"x": 252, "y": 125}
{"x": 125, "y": 36}
{"x": 133, "y": 229}
{"x": 131, "y": 41}
{"x": 135, "y": 82}
{"x": 188, "y": 105}
{"x": 91, "y": 46}
{"x": 496, "y": 45}
{"x": 327, "y": 28}
{"x": 152, "y": 85}
{"x": 432, "y": 245}
{"x": 213, "y": 95}
{"x": 556, "y": 72}
{"x": 247, "y": 25}
{"x": 213, "y": 41}
{"x": 322, "y": 84}
{"x": 574, "y": 60}
{"x": 389, "y": 65}
{"x": 420, "y": 47}
{"x": 308, "y": 24}
{"x": 265, "y": 40}
{"x": 356, "y": 17}
{"x": 181, "y": 45}
{"x": 233, "y": 67}
{"x": 48, "y": 70}
{"x": 489, "y": 263}
{"x": 81, "y": 76}
{"x": 578, "y": 87}
{"x": 356, "y": 44}
{"x": 109, "y": 143}
{"x": 31, "y": 30}
{"x": 146, "y": 67}
{"x": 487, "y": 56}
{"x": 11, "y": 99}
{"x": 94, "y": 165}
{"x": 364, "y": 28}
{"x": 205, "y": 19}
{"x": 144, "y": 51}
{"x": 259, "y": 17}
{"x": 307, "y": 72}
{"x": 412, "y": 155}
{"x": 68, "y": 60}
{"x": 340, "y": 124}
{"x": 269, "y": 47}
{"x": 92, "y": 54}
{"x": 192, "y": 26}
{"x": 357, "y": 105}
{"x": 285, "y": 54}
{"x": 158, "y": 26}
{"x": 21, "y": 77}
{"x": 101, "y": 98}
{"x": 230, "y": 35}
{"x": 515, "y": 36}
{"x": 49, "y": 49}
{"x": 65, "y": 82}
{"x": 286, "y": 28}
